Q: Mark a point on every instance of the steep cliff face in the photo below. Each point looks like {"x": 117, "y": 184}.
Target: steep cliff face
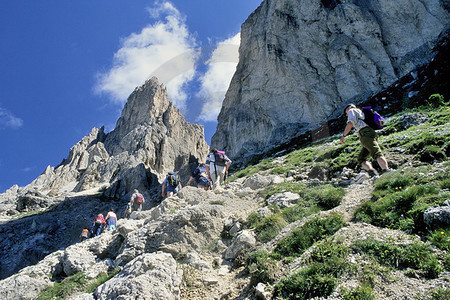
{"x": 302, "y": 61}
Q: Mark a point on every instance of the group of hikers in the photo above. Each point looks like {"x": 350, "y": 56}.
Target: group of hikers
{"x": 211, "y": 175}
{"x": 100, "y": 224}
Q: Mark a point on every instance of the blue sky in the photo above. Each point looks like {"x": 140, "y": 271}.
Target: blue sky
{"x": 68, "y": 66}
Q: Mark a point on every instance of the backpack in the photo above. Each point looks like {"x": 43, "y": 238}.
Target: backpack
{"x": 220, "y": 158}
{"x": 139, "y": 199}
{"x": 98, "y": 221}
{"x": 173, "y": 179}
{"x": 372, "y": 118}
{"x": 200, "y": 172}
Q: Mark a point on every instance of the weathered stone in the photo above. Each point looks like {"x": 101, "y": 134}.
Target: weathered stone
{"x": 151, "y": 276}
{"x": 257, "y": 181}
{"x": 286, "y": 199}
{"x": 437, "y": 216}
{"x": 77, "y": 259}
{"x": 240, "y": 244}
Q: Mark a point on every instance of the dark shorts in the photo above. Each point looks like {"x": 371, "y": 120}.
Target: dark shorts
{"x": 171, "y": 189}
{"x": 369, "y": 142}
{"x": 202, "y": 181}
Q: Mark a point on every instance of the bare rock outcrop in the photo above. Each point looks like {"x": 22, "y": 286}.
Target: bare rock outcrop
{"x": 151, "y": 138}
{"x": 302, "y": 61}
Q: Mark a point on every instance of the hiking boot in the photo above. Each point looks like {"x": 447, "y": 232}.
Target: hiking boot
{"x": 373, "y": 173}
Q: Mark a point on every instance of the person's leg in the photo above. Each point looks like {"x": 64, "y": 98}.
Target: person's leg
{"x": 214, "y": 179}
{"x": 382, "y": 161}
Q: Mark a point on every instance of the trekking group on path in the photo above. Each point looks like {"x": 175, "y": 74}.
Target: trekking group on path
{"x": 209, "y": 176}
{"x": 212, "y": 174}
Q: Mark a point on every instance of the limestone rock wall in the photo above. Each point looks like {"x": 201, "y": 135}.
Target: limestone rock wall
{"x": 302, "y": 61}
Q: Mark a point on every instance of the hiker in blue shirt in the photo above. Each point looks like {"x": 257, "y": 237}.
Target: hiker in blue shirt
{"x": 201, "y": 177}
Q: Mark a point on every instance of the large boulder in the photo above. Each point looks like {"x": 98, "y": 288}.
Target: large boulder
{"x": 150, "y": 276}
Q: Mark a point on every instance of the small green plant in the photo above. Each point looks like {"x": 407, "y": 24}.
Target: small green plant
{"x": 440, "y": 294}
{"x": 266, "y": 227}
{"x": 363, "y": 292}
{"x": 441, "y": 238}
{"x": 62, "y": 289}
{"x": 78, "y": 282}
{"x": 435, "y": 100}
{"x": 261, "y": 266}
{"x": 416, "y": 255}
{"x": 325, "y": 196}
{"x": 319, "y": 277}
{"x": 304, "y": 237}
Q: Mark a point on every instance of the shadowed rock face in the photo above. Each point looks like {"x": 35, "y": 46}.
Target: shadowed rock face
{"x": 302, "y": 61}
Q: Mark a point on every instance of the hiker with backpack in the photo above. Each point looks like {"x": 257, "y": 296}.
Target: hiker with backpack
{"x": 201, "y": 177}
{"x": 171, "y": 185}
{"x": 136, "y": 201}
{"x": 217, "y": 164}
{"x": 99, "y": 224}
{"x": 84, "y": 234}
{"x": 111, "y": 220}
{"x": 367, "y": 137}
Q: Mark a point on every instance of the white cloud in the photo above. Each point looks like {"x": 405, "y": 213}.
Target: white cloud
{"x": 215, "y": 82}
{"x": 164, "y": 49}
{"x": 8, "y": 119}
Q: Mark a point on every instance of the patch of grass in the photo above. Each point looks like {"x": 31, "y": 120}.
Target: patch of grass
{"x": 363, "y": 292}
{"x": 267, "y": 227}
{"x": 246, "y": 172}
{"x": 400, "y": 208}
{"x": 440, "y": 238}
{"x": 288, "y": 186}
{"x": 304, "y": 237}
{"x": 417, "y": 256}
{"x": 319, "y": 277}
{"x": 261, "y": 266}
{"x": 99, "y": 280}
{"x": 440, "y": 294}
{"x": 325, "y": 196}
{"x": 77, "y": 283}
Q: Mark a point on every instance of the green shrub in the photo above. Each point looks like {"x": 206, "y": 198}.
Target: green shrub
{"x": 325, "y": 196}
{"x": 363, "y": 292}
{"x": 440, "y": 238}
{"x": 298, "y": 212}
{"x": 62, "y": 289}
{"x": 416, "y": 255}
{"x": 440, "y": 294}
{"x": 261, "y": 266}
{"x": 319, "y": 278}
{"x": 400, "y": 210}
{"x": 268, "y": 227}
{"x": 304, "y": 237}
{"x": 435, "y": 100}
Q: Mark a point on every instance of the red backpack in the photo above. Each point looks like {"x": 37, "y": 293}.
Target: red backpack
{"x": 139, "y": 199}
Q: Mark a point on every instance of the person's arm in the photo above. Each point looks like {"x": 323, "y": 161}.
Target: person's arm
{"x": 347, "y": 130}
{"x": 207, "y": 172}
{"x": 163, "y": 189}
{"x": 189, "y": 181}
